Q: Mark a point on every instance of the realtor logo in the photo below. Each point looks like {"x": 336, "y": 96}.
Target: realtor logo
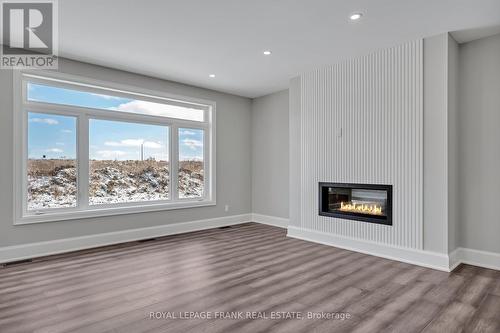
{"x": 28, "y": 34}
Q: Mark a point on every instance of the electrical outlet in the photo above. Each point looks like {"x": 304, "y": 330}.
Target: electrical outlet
{"x": 226, "y": 208}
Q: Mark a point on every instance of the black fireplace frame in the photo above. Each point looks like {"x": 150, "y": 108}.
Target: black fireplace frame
{"x": 385, "y": 220}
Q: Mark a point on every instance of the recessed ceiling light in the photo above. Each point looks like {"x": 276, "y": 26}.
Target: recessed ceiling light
{"x": 212, "y": 75}
{"x": 355, "y": 16}
{"x": 267, "y": 52}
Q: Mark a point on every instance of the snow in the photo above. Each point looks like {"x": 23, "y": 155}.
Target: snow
{"x": 111, "y": 185}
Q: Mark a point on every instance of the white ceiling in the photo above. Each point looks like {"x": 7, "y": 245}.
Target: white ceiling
{"x": 186, "y": 40}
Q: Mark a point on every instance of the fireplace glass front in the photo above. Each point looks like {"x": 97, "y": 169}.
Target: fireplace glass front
{"x": 362, "y": 202}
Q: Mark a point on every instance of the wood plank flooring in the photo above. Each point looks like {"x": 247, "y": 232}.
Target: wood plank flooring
{"x": 246, "y": 270}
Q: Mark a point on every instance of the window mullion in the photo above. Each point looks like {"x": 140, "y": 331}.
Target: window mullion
{"x": 206, "y": 165}
{"x": 174, "y": 160}
{"x": 24, "y": 161}
{"x": 83, "y": 162}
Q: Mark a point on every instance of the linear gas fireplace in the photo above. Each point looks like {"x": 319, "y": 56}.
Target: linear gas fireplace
{"x": 362, "y": 202}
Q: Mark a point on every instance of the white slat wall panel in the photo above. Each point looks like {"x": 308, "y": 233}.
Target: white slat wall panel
{"x": 295, "y": 150}
{"x": 377, "y": 101}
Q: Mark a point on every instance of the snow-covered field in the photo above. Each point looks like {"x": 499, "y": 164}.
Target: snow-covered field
{"x": 53, "y": 184}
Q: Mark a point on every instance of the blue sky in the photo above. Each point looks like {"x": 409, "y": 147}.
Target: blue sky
{"x": 51, "y": 135}
{"x": 54, "y": 136}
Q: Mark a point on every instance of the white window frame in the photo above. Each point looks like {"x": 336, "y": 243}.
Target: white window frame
{"x": 83, "y": 115}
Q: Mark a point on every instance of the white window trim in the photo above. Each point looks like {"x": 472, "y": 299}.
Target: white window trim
{"x": 22, "y": 106}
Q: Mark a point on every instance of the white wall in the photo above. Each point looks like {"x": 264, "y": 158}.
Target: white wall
{"x": 479, "y": 144}
{"x": 233, "y": 163}
{"x": 436, "y": 143}
{"x": 453, "y": 153}
{"x": 270, "y": 155}
{"x": 377, "y": 103}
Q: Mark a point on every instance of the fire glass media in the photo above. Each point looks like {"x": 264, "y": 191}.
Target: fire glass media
{"x": 362, "y": 202}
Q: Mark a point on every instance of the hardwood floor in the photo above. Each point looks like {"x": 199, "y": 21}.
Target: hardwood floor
{"x": 233, "y": 271}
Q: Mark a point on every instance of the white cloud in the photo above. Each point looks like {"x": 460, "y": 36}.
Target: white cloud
{"x": 193, "y": 144}
{"x": 134, "y": 143}
{"x": 187, "y": 132}
{"x": 157, "y": 109}
{"x": 54, "y": 150}
{"x": 111, "y": 154}
{"x": 105, "y": 96}
{"x": 67, "y": 131}
{"x": 48, "y": 121}
{"x": 152, "y": 145}
{"x": 124, "y": 143}
{"x": 59, "y": 143}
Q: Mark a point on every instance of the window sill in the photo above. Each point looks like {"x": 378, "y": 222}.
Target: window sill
{"x": 101, "y": 212}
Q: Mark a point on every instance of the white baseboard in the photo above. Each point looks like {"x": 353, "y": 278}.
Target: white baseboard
{"x": 412, "y": 256}
{"x": 33, "y": 250}
{"x": 270, "y": 220}
{"x": 474, "y": 257}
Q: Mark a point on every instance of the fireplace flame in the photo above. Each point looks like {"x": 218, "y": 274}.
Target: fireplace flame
{"x": 361, "y": 208}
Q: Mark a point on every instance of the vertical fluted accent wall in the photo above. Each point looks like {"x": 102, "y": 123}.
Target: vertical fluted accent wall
{"x": 294, "y": 111}
{"x": 361, "y": 121}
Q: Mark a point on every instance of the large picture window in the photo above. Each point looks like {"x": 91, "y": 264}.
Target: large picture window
{"x": 90, "y": 148}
